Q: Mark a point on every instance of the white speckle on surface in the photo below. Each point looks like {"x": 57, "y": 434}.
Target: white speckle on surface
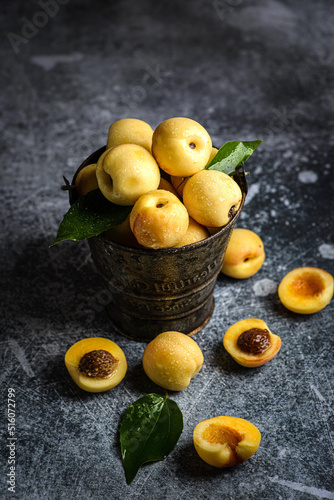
{"x": 252, "y": 192}
{"x": 304, "y": 489}
{"x": 308, "y": 177}
{"x": 49, "y": 62}
{"x": 21, "y": 357}
{"x": 264, "y": 287}
{"x": 326, "y": 251}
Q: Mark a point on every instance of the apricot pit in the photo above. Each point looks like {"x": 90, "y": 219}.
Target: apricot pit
{"x": 251, "y": 343}
{"x": 96, "y": 364}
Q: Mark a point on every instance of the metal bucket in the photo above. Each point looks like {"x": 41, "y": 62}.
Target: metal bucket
{"x": 152, "y": 291}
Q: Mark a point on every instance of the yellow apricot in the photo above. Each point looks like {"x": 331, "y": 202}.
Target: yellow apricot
{"x": 226, "y": 441}
{"x": 96, "y": 364}
{"x": 130, "y": 131}
{"x": 306, "y": 290}
{"x": 195, "y": 232}
{"x": 86, "y": 180}
{"x": 172, "y": 359}
{"x": 244, "y": 254}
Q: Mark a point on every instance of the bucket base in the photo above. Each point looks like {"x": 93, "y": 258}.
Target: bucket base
{"x": 145, "y": 330}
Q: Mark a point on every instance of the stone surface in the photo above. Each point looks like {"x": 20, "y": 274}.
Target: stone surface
{"x": 244, "y": 70}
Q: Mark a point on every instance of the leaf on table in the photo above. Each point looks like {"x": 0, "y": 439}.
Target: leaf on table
{"x": 149, "y": 431}
{"x": 232, "y": 155}
{"x": 89, "y": 216}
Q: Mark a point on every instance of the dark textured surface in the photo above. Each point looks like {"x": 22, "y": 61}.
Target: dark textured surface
{"x": 244, "y": 70}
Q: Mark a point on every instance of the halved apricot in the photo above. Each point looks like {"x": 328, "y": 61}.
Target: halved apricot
{"x": 96, "y": 364}
{"x": 226, "y": 441}
{"x": 306, "y": 290}
{"x": 251, "y": 343}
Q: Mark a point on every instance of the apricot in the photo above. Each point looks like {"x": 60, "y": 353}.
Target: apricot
{"x": 251, "y": 343}
{"x": 167, "y": 186}
{"x": 96, "y": 364}
{"x": 244, "y": 254}
{"x": 86, "y": 180}
{"x": 213, "y": 153}
{"x": 212, "y": 198}
{"x": 181, "y": 146}
{"x": 130, "y": 131}
{"x": 178, "y": 183}
{"x": 172, "y": 359}
{"x": 158, "y": 219}
{"x": 306, "y": 290}
{"x": 126, "y": 172}
{"x": 122, "y": 234}
{"x": 195, "y": 232}
{"x": 226, "y": 441}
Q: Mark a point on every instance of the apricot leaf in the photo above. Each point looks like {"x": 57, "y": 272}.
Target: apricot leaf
{"x": 232, "y": 156}
{"x": 149, "y": 432}
{"x": 89, "y": 216}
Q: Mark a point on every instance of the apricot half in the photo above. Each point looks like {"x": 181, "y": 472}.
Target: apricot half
{"x": 306, "y": 290}
{"x": 244, "y": 254}
{"x": 251, "y": 343}
{"x": 225, "y": 441}
{"x": 96, "y": 364}
{"x": 172, "y": 359}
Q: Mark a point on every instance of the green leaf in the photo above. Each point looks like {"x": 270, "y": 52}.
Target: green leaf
{"x": 149, "y": 431}
{"x": 89, "y": 216}
{"x": 232, "y": 156}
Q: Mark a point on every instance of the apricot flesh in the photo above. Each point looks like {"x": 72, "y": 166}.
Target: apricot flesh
{"x": 172, "y": 359}
{"x": 158, "y": 219}
{"x": 226, "y": 441}
{"x": 258, "y": 347}
{"x": 244, "y": 254}
{"x": 76, "y": 356}
{"x": 212, "y": 198}
{"x": 86, "y": 180}
{"x": 130, "y": 131}
{"x": 306, "y": 290}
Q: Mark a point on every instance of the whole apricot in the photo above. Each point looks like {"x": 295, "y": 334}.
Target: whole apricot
{"x": 122, "y": 234}
{"x": 178, "y": 184}
{"x": 181, "y": 146}
{"x": 212, "y": 198}
{"x": 226, "y": 441}
{"x": 130, "y": 131}
{"x": 244, "y": 254}
{"x": 195, "y": 232}
{"x": 86, "y": 180}
{"x": 159, "y": 220}
{"x": 167, "y": 186}
{"x": 306, "y": 290}
{"x": 213, "y": 153}
{"x": 251, "y": 343}
{"x": 96, "y": 364}
{"x": 172, "y": 359}
{"x": 126, "y": 172}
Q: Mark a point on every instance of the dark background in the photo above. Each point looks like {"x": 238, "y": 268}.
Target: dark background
{"x": 245, "y": 70}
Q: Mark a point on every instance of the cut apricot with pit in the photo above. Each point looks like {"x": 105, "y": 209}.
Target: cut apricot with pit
{"x": 96, "y": 364}
{"x": 251, "y": 343}
{"x": 226, "y": 441}
{"x": 306, "y": 290}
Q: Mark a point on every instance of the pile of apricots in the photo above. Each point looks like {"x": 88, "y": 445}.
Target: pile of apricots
{"x": 162, "y": 175}
{"x": 159, "y": 219}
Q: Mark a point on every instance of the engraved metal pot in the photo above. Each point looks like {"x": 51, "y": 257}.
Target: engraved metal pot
{"x": 153, "y": 291}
